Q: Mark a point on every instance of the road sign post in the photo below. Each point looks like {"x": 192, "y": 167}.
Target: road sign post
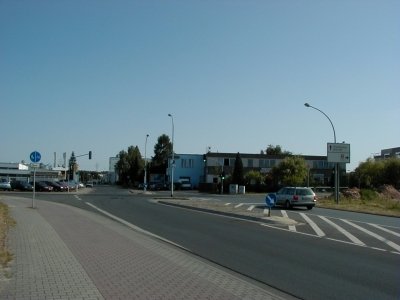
{"x": 270, "y": 201}
{"x": 35, "y": 158}
{"x": 338, "y": 153}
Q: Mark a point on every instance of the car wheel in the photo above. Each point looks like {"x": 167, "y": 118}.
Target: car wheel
{"x": 288, "y": 205}
{"x": 309, "y": 207}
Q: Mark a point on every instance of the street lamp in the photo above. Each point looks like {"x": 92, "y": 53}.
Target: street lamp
{"x": 145, "y": 167}
{"x": 173, "y": 159}
{"x": 336, "y": 164}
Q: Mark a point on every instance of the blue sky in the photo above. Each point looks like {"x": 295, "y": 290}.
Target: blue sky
{"x": 100, "y": 75}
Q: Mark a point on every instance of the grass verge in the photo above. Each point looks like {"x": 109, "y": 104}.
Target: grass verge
{"x": 373, "y": 205}
{"x": 6, "y": 221}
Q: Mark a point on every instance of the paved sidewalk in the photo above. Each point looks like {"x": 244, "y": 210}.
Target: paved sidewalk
{"x": 62, "y": 252}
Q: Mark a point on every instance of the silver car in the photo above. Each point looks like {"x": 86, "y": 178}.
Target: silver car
{"x": 296, "y": 196}
{"x": 5, "y": 185}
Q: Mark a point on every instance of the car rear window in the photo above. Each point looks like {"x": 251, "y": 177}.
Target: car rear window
{"x": 304, "y": 192}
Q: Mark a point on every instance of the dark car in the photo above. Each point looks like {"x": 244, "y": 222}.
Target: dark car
{"x": 63, "y": 185}
{"x": 21, "y": 186}
{"x": 41, "y": 186}
{"x": 56, "y": 186}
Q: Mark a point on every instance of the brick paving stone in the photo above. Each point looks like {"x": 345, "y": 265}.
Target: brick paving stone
{"x": 65, "y": 252}
{"x": 43, "y": 267}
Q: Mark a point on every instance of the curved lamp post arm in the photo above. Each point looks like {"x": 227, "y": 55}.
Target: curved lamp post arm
{"x": 334, "y": 133}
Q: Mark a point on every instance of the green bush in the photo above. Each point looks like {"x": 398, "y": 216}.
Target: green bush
{"x": 368, "y": 195}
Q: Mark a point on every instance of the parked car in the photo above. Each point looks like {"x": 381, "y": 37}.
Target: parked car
{"x": 296, "y": 196}
{"x": 156, "y": 186}
{"x": 185, "y": 184}
{"x": 89, "y": 184}
{"x": 64, "y": 185}
{"x": 21, "y": 186}
{"x": 5, "y": 185}
{"x": 56, "y": 186}
{"x": 41, "y": 186}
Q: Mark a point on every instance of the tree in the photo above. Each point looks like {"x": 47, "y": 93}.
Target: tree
{"x": 238, "y": 174}
{"x": 276, "y": 150}
{"x": 374, "y": 173}
{"x": 391, "y": 172}
{"x": 254, "y": 177}
{"x": 72, "y": 166}
{"x": 292, "y": 171}
{"x": 162, "y": 150}
{"x": 130, "y": 166}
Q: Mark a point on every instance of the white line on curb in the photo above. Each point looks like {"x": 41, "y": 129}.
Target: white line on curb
{"x": 251, "y": 207}
{"x": 291, "y": 227}
{"x": 343, "y": 231}
{"x": 378, "y": 237}
{"x": 134, "y": 227}
{"x": 314, "y": 226}
{"x": 385, "y": 229}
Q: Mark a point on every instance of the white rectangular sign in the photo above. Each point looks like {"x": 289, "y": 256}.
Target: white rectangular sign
{"x": 338, "y": 152}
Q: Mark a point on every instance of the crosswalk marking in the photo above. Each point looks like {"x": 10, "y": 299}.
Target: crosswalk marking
{"x": 239, "y": 205}
{"x": 226, "y": 204}
{"x": 382, "y": 239}
{"x": 251, "y": 207}
{"x": 314, "y": 226}
{"x": 291, "y": 227}
{"x": 385, "y": 229}
{"x": 343, "y": 231}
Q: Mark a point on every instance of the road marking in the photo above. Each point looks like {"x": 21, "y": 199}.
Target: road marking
{"x": 382, "y": 239}
{"x": 226, "y": 204}
{"x": 239, "y": 205}
{"x": 385, "y": 229}
{"x": 77, "y": 197}
{"x": 291, "y": 227}
{"x": 343, "y": 231}
{"x": 251, "y": 207}
{"x": 314, "y": 226}
{"x": 134, "y": 227}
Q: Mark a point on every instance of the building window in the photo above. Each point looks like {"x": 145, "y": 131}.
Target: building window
{"x": 226, "y": 162}
{"x": 187, "y": 163}
{"x": 250, "y": 163}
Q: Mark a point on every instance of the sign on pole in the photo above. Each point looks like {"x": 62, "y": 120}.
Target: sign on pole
{"x": 338, "y": 152}
{"x": 35, "y": 158}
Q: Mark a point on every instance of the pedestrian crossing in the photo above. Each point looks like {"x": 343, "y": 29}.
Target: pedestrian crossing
{"x": 375, "y": 236}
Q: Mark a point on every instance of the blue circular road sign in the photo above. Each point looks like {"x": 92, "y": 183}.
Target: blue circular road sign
{"x": 35, "y": 156}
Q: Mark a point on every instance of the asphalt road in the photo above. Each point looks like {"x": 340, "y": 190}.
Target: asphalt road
{"x": 299, "y": 264}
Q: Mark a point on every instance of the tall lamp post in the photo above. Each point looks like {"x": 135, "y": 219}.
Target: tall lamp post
{"x": 336, "y": 164}
{"x": 173, "y": 158}
{"x": 145, "y": 165}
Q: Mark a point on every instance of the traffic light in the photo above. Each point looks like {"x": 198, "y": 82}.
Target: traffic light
{"x": 90, "y": 154}
{"x": 223, "y": 175}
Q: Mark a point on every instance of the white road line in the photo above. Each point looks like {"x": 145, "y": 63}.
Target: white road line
{"x": 382, "y": 239}
{"x": 343, "y": 231}
{"x": 239, "y": 205}
{"x": 314, "y": 226}
{"x": 251, "y": 207}
{"x": 77, "y": 197}
{"x": 385, "y": 229}
{"x": 130, "y": 225}
{"x": 226, "y": 204}
{"x": 291, "y": 227}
